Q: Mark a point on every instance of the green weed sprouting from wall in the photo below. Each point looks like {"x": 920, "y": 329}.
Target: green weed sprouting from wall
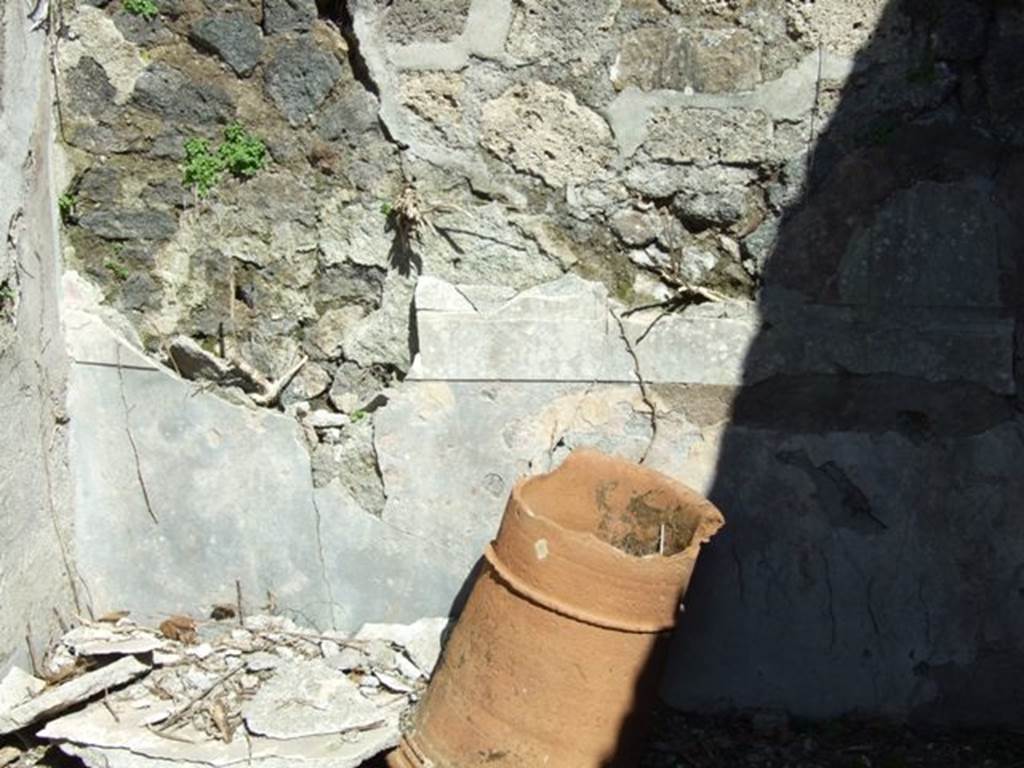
{"x": 202, "y": 168}
{"x": 241, "y": 154}
{"x": 117, "y": 269}
{"x": 145, "y": 8}
{"x": 66, "y": 205}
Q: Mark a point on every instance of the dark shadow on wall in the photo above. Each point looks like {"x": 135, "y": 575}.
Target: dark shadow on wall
{"x": 871, "y": 472}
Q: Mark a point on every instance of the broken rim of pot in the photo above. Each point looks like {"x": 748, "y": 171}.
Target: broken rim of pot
{"x": 604, "y": 541}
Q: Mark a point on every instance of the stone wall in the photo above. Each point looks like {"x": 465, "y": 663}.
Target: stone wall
{"x": 36, "y": 574}
{"x": 767, "y": 246}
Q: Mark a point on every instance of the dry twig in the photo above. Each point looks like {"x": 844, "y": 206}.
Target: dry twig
{"x": 184, "y": 710}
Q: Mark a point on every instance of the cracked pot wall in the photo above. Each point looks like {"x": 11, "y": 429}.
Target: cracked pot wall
{"x": 36, "y": 577}
{"x": 768, "y": 246}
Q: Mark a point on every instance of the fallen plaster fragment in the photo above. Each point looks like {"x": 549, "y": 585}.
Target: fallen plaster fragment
{"x": 99, "y": 740}
{"x": 393, "y": 683}
{"x": 70, "y": 693}
{"x": 309, "y": 699}
{"x": 101, "y": 641}
{"x": 289, "y": 703}
{"x": 17, "y": 686}
{"x": 262, "y": 661}
{"x": 348, "y": 659}
{"x": 8, "y": 755}
{"x": 421, "y": 639}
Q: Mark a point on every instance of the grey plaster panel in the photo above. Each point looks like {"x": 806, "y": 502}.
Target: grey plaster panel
{"x": 733, "y": 344}
{"x": 566, "y": 331}
{"x": 36, "y": 575}
{"x": 560, "y": 331}
{"x": 178, "y": 493}
{"x": 840, "y": 580}
{"x": 378, "y": 571}
{"x": 450, "y": 452}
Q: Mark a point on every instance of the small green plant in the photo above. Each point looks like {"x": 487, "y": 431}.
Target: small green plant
{"x": 241, "y": 154}
{"x": 357, "y": 416}
{"x": 145, "y": 8}
{"x": 202, "y": 168}
{"x": 117, "y": 269}
{"x": 66, "y": 205}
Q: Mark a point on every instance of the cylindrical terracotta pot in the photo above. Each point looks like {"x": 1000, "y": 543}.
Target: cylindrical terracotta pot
{"x": 556, "y": 657}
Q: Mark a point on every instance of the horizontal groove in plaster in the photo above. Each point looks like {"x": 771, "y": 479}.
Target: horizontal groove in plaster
{"x": 116, "y": 367}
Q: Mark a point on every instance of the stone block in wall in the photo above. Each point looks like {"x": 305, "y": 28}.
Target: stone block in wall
{"x": 722, "y": 60}
{"x": 90, "y": 92}
{"x": 129, "y": 224}
{"x": 176, "y": 97}
{"x": 439, "y": 100}
{"x": 410, "y": 21}
{"x": 932, "y": 245}
{"x": 702, "y": 136}
{"x": 649, "y": 59}
{"x": 234, "y": 37}
{"x": 299, "y": 78}
{"x": 1003, "y": 77}
{"x": 482, "y": 244}
{"x": 543, "y": 130}
{"x": 288, "y": 15}
{"x": 701, "y": 196}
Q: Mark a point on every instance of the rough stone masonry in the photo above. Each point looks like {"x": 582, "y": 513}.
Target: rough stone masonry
{"x": 767, "y": 246}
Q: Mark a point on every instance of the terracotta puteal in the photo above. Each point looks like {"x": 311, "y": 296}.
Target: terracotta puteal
{"x": 555, "y": 660}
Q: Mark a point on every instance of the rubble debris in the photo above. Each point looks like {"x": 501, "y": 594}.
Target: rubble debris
{"x": 222, "y": 612}
{"x": 180, "y": 628}
{"x": 191, "y": 361}
{"x": 17, "y": 686}
{"x": 68, "y": 694}
{"x": 309, "y": 698}
{"x": 103, "y": 641}
{"x": 113, "y": 616}
{"x": 198, "y": 694}
{"x": 421, "y": 640}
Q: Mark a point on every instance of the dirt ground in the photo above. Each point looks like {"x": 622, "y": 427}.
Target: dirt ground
{"x": 773, "y": 741}
{"x": 691, "y": 741}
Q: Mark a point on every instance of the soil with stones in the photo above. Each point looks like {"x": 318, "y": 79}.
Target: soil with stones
{"x": 772, "y": 740}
